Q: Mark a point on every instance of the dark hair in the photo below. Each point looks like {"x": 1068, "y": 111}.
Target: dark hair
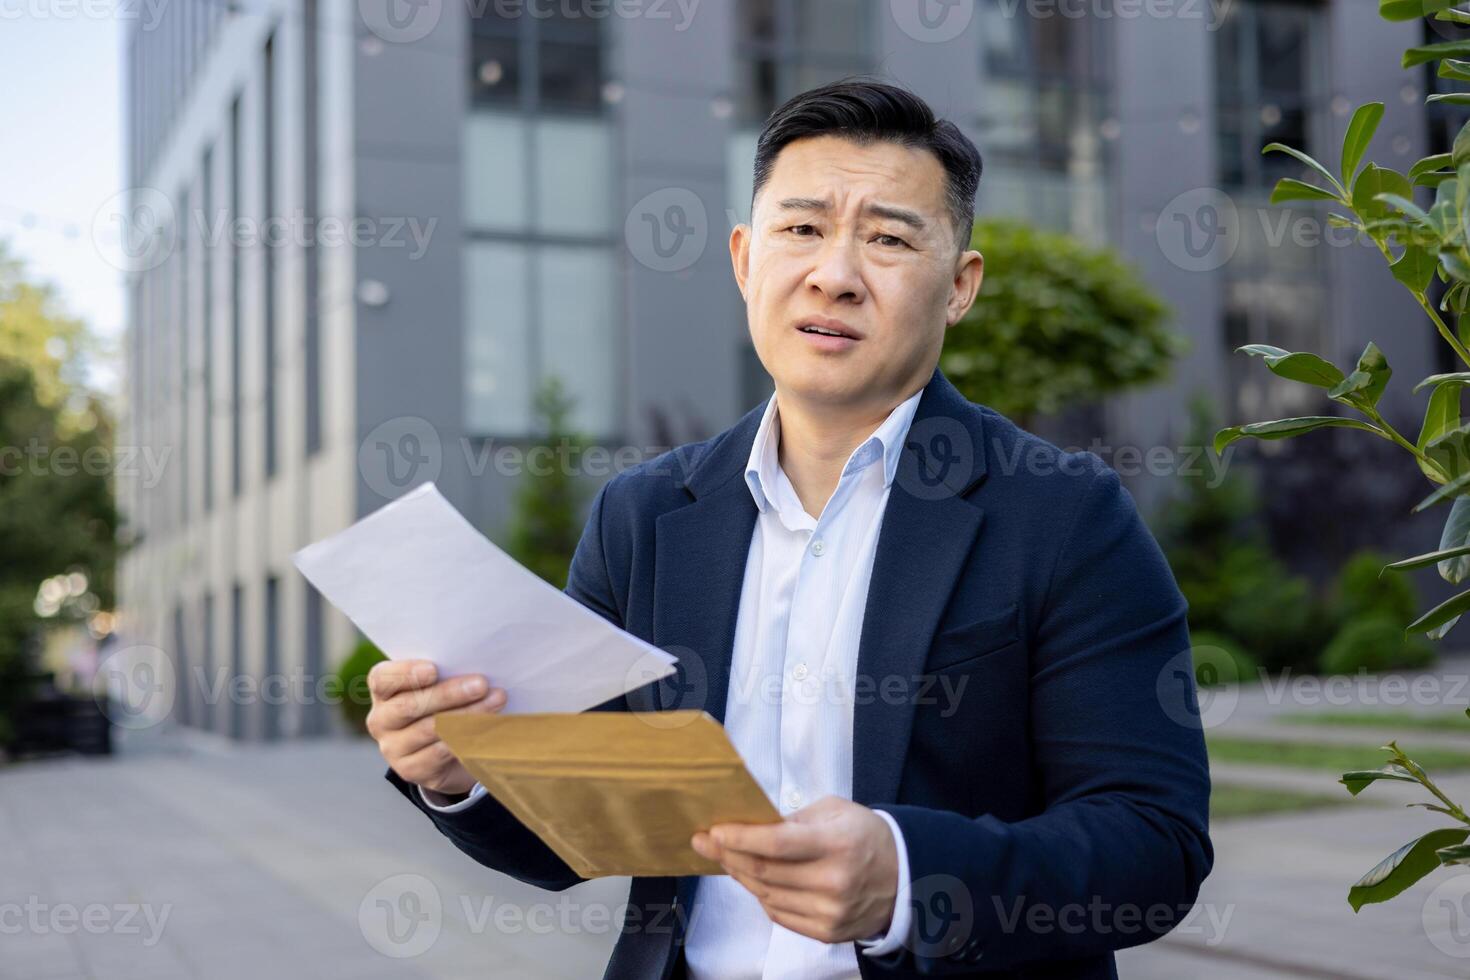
{"x": 865, "y": 110}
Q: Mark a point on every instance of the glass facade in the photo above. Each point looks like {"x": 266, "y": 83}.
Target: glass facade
{"x": 1270, "y": 87}
{"x": 541, "y": 286}
{"x": 1045, "y": 117}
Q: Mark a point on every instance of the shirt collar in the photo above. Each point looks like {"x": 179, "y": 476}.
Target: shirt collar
{"x": 886, "y": 442}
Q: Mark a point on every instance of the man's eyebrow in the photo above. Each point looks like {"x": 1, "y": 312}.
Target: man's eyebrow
{"x": 911, "y": 218}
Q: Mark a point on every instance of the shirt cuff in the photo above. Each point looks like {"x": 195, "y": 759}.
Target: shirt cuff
{"x": 898, "y": 928}
{"x": 476, "y": 792}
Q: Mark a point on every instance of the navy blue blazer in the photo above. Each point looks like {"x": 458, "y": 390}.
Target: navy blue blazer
{"x": 1024, "y": 708}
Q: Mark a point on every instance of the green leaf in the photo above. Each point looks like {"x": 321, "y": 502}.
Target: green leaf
{"x": 1455, "y": 70}
{"x": 1449, "y": 98}
{"x": 1303, "y": 158}
{"x": 1456, "y": 534}
{"x": 1411, "y": 9}
{"x": 1441, "y": 415}
{"x": 1458, "y": 377}
{"x": 1434, "y": 52}
{"x": 1403, "y": 867}
{"x": 1454, "y": 16}
{"x": 1442, "y": 612}
{"x": 1439, "y": 632}
{"x": 1415, "y": 268}
{"x": 1455, "y": 265}
{"x": 1450, "y": 489}
{"x": 1454, "y": 854}
{"x": 1291, "y": 189}
{"x": 1429, "y": 164}
{"x": 1358, "y": 780}
{"x": 1359, "y": 134}
{"x": 1371, "y": 182}
{"x": 1286, "y": 428}
{"x": 1460, "y": 150}
{"x": 1365, "y": 385}
{"x": 1299, "y": 366}
{"x": 1428, "y": 558}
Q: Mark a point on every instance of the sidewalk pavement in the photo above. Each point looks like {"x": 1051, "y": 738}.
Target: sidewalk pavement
{"x": 185, "y": 856}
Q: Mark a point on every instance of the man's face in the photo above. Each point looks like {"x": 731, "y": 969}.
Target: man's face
{"x": 855, "y": 239}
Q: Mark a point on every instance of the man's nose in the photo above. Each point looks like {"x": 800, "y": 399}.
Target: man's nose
{"x": 838, "y": 270}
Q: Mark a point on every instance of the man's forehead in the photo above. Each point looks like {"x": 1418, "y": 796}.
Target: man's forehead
{"x": 824, "y": 168}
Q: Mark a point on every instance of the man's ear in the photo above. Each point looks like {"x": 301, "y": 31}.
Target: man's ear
{"x": 740, "y": 255}
{"x": 969, "y": 273}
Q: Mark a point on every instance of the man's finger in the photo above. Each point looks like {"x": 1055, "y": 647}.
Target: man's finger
{"x": 423, "y": 732}
{"x": 795, "y": 874}
{"x": 388, "y": 677}
{"x": 784, "y": 841}
{"x": 407, "y": 707}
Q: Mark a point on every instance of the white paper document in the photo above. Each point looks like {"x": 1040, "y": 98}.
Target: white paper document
{"x": 422, "y": 583}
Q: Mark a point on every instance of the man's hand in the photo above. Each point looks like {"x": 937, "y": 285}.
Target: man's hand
{"x": 406, "y": 697}
{"x": 829, "y": 872}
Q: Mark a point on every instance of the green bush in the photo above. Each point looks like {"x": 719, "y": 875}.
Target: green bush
{"x": 1374, "y": 642}
{"x": 1359, "y": 591}
{"x": 1218, "y": 659}
{"x": 1221, "y": 557}
{"x": 350, "y": 684}
{"x": 1057, "y": 322}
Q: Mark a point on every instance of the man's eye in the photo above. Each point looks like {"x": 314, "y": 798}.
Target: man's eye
{"x": 803, "y": 230}
{"x": 892, "y": 241}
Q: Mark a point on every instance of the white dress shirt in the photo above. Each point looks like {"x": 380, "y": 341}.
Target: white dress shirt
{"x": 789, "y": 709}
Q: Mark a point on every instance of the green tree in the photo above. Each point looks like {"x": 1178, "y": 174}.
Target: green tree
{"x": 547, "y": 519}
{"x": 1057, "y": 322}
{"x": 1420, "y": 245}
{"x": 57, "y": 509}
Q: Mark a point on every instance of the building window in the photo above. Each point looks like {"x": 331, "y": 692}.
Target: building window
{"x": 207, "y": 680}
{"x": 540, "y": 274}
{"x": 783, "y": 48}
{"x": 236, "y": 269}
{"x": 312, "y": 355}
{"x": 314, "y": 712}
{"x": 268, "y": 172}
{"x": 271, "y": 713}
{"x": 237, "y": 658}
{"x": 1045, "y": 118}
{"x": 1269, "y": 80}
{"x": 185, "y": 324}
{"x": 206, "y": 426}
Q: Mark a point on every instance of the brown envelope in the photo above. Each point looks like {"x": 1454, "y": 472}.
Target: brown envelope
{"x": 612, "y": 792}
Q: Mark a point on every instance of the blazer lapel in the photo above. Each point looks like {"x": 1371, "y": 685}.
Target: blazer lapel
{"x": 927, "y": 533}
{"x": 700, "y": 553}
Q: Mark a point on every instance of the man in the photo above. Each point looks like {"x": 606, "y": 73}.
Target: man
{"x": 950, "y": 653}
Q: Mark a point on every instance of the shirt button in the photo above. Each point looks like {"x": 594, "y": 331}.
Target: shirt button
{"x": 799, "y": 672}
{"x": 793, "y": 799}
{"x": 818, "y": 547}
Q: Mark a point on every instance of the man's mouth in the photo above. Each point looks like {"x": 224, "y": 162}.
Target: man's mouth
{"x": 828, "y": 328}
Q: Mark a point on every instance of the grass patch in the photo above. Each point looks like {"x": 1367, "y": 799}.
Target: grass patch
{"x": 1398, "y": 720}
{"x": 1232, "y": 800}
{"x": 1326, "y": 758}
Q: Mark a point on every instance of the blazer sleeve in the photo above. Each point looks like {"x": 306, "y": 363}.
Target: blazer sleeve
{"x": 487, "y": 831}
{"x": 1117, "y": 852}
